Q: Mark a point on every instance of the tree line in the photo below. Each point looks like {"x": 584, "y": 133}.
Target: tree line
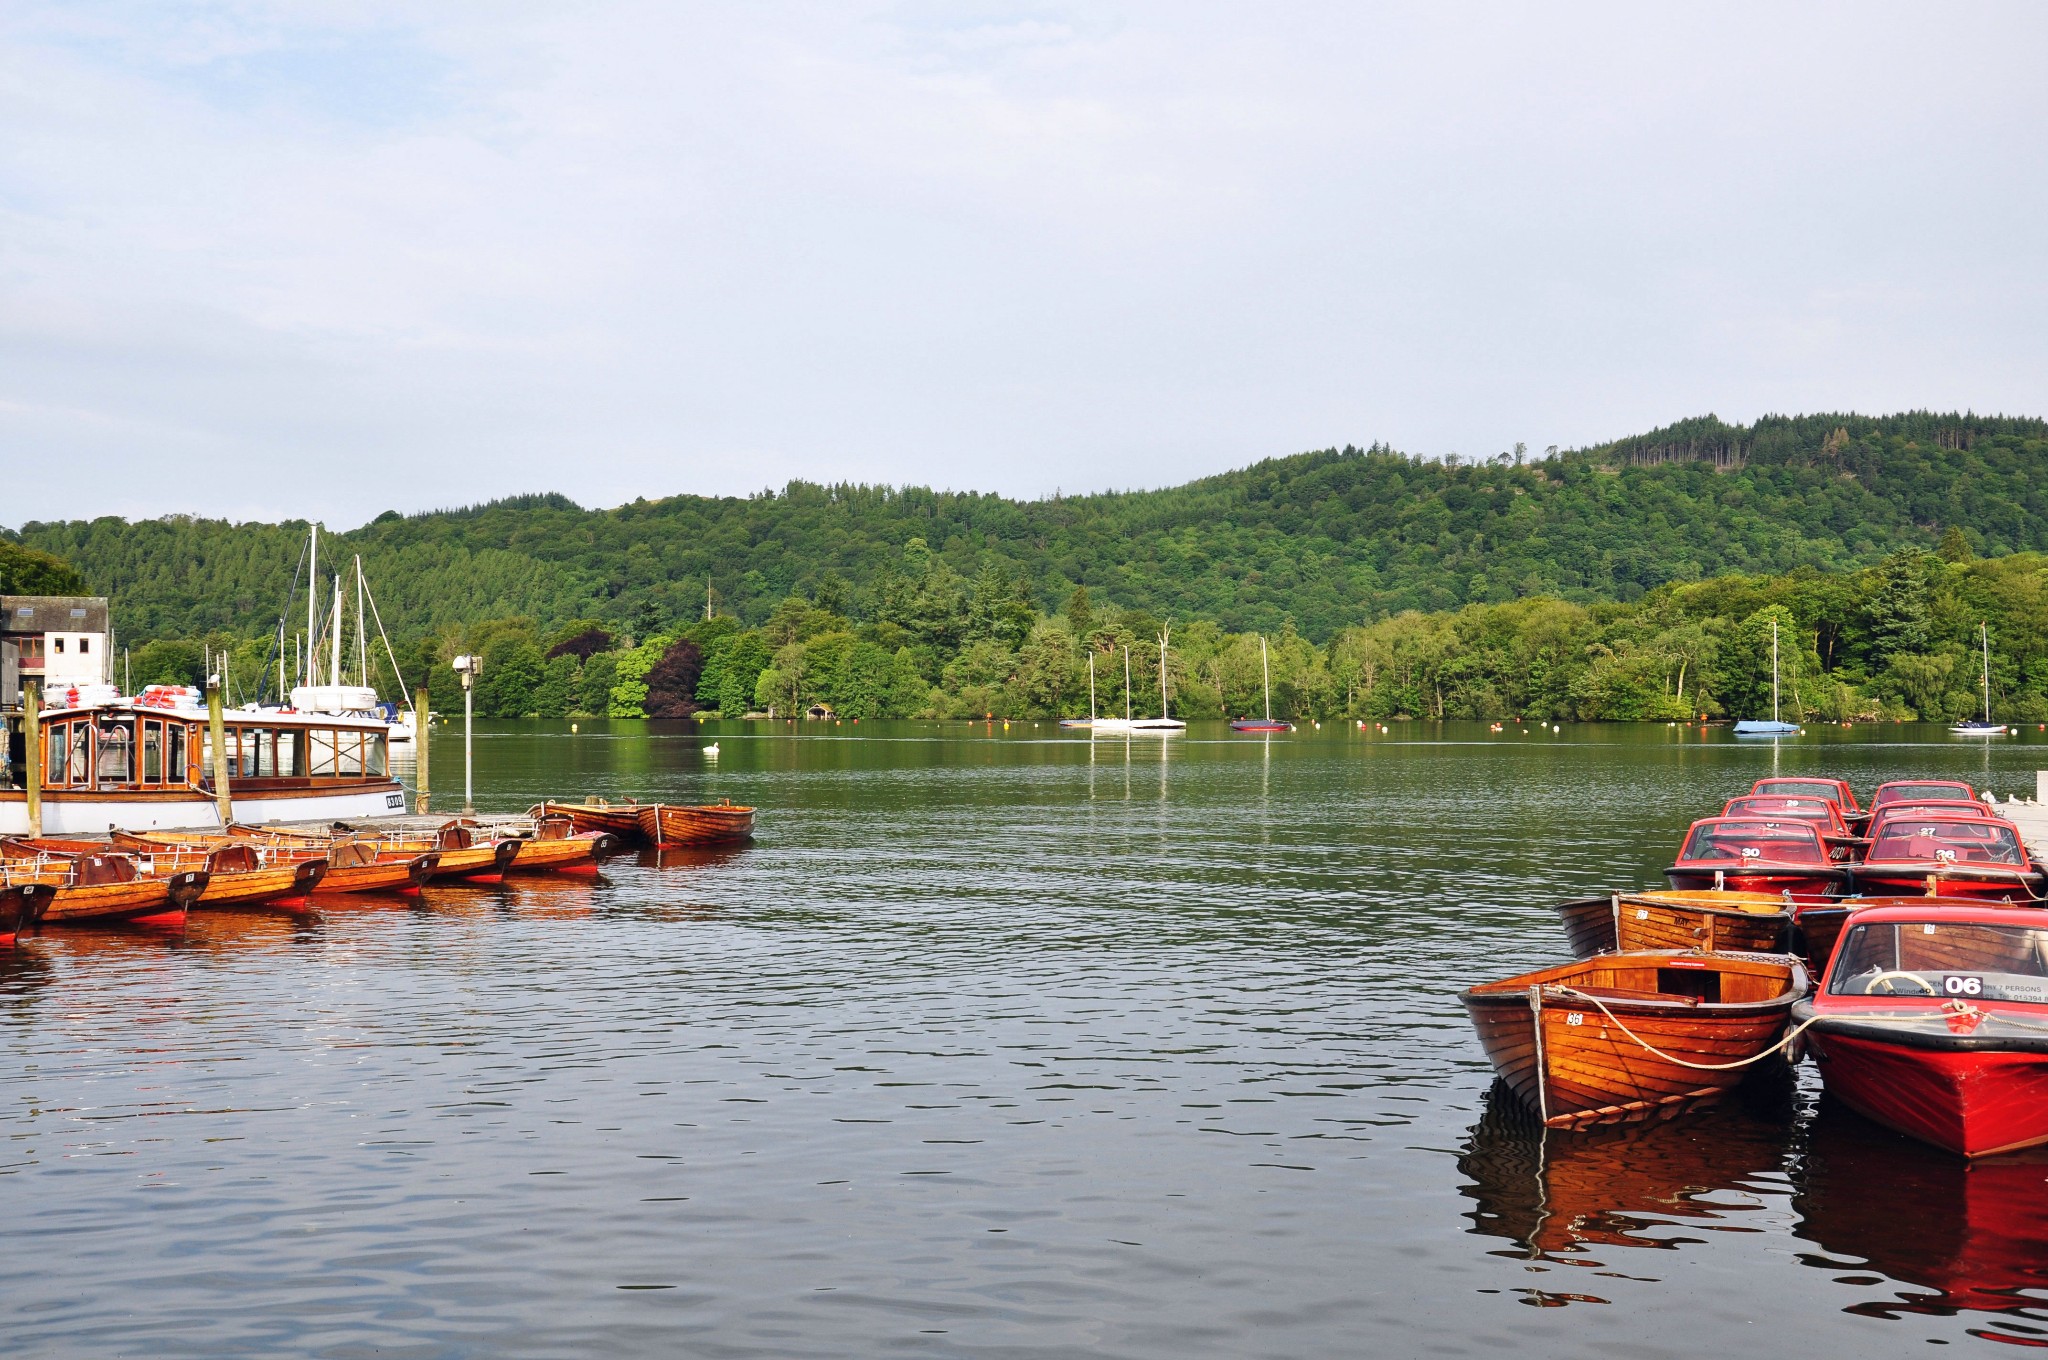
{"x": 1321, "y": 540}
{"x": 1896, "y": 640}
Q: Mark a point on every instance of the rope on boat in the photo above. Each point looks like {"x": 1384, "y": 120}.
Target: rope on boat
{"x": 1783, "y": 1044}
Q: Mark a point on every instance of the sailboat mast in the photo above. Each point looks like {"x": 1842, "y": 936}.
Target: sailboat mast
{"x": 1162, "y": 677}
{"x": 1984, "y": 629}
{"x": 362, "y": 643}
{"x": 1127, "y": 684}
{"x": 1266, "y": 677}
{"x": 1091, "y": 684}
{"x": 1774, "y": 670}
{"x": 334, "y": 643}
{"x": 312, "y": 630}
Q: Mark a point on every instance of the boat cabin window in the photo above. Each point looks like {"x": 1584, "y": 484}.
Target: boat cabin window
{"x": 1739, "y": 842}
{"x": 117, "y": 752}
{"x": 1965, "y": 842}
{"x": 1815, "y": 810}
{"x": 1923, "y": 793}
{"x": 346, "y": 754}
{"x": 152, "y": 751}
{"x": 1965, "y": 960}
{"x": 174, "y": 754}
{"x": 1798, "y": 788}
{"x": 78, "y": 753}
{"x": 57, "y": 757}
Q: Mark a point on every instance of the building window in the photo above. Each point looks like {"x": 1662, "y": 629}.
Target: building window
{"x": 58, "y": 645}
{"x": 84, "y": 646}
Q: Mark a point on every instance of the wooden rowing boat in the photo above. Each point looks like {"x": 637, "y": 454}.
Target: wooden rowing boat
{"x": 596, "y": 815}
{"x": 106, "y": 889}
{"x": 1751, "y": 922}
{"x": 665, "y": 824}
{"x": 460, "y": 854}
{"x": 1623, "y": 1037}
{"x": 352, "y": 866}
{"x": 21, "y": 906}
{"x": 549, "y": 843}
{"x": 237, "y": 875}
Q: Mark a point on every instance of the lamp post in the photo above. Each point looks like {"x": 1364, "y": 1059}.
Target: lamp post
{"x": 467, "y": 667}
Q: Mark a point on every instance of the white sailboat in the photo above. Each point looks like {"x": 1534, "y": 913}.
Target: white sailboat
{"x": 1165, "y": 722}
{"x": 1124, "y": 723}
{"x": 1971, "y": 727}
{"x": 1088, "y": 721}
{"x": 1756, "y": 727}
{"x": 331, "y": 693}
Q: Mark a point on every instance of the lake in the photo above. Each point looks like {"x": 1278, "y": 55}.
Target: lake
{"x": 997, "y": 1042}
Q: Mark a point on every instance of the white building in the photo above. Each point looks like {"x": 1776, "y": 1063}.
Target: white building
{"x": 61, "y": 640}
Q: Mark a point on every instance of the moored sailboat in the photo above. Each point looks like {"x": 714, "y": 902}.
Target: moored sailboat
{"x": 1266, "y": 724}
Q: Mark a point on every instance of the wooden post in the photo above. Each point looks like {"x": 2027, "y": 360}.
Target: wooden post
{"x": 419, "y": 740}
{"x": 32, "y": 734}
{"x": 217, "y": 726}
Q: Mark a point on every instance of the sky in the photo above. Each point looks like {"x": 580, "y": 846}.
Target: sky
{"x": 314, "y": 259}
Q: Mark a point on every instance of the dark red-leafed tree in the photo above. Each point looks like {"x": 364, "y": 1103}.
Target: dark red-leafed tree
{"x": 583, "y": 646}
{"x": 672, "y": 684}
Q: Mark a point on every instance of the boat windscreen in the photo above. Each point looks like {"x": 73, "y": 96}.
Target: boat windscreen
{"x": 1799, "y": 788}
{"x": 1748, "y": 841}
{"x": 1798, "y": 809}
{"x": 1963, "y": 960}
{"x": 1964, "y": 842}
{"x": 1925, "y": 793}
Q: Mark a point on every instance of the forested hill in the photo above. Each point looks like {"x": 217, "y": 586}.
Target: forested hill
{"x": 1322, "y": 539}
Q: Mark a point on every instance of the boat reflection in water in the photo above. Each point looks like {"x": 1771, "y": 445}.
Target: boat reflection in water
{"x": 1968, "y": 1236}
{"x": 689, "y": 856}
{"x": 1561, "y": 1196}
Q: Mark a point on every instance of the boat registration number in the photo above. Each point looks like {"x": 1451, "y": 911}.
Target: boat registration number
{"x": 394, "y": 800}
{"x": 1963, "y": 984}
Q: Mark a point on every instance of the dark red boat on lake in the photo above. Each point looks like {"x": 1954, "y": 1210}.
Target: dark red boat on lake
{"x": 1950, "y": 856}
{"x": 1751, "y": 854}
{"x": 1935, "y": 1023}
{"x": 1921, "y": 791}
{"x": 1836, "y": 791}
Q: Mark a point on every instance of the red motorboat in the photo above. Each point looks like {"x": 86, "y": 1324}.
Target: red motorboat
{"x": 1750, "y": 854}
{"x": 1949, "y": 856}
{"x": 1921, "y": 791}
{"x": 1935, "y": 1023}
{"x": 1824, "y": 813}
{"x": 1836, "y": 791}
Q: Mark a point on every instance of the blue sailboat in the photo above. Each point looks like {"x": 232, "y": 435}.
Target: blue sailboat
{"x": 1757, "y": 727}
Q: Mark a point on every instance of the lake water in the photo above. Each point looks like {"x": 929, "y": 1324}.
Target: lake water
{"x": 996, "y": 1043}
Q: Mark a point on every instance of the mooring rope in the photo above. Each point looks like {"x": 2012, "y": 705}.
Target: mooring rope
{"x": 1955, "y": 1006}
{"x": 1781, "y": 1045}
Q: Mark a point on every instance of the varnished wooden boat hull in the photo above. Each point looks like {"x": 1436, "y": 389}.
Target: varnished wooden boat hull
{"x": 143, "y": 901}
{"x": 1574, "y": 1066}
{"x": 623, "y": 822}
{"x": 275, "y": 885}
{"x": 21, "y": 906}
{"x": 385, "y": 876}
{"x": 477, "y": 863}
{"x": 1742, "y": 922}
{"x": 569, "y": 855}
{"x": 666, "y": 824}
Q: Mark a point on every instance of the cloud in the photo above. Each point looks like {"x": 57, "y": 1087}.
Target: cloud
{"x": 325, "y": 260}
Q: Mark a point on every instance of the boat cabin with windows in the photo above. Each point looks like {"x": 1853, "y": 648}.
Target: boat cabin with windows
{"x": 147, "y": 763}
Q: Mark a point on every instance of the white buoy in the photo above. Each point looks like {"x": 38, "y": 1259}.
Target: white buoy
{"x": 574, "y": 728}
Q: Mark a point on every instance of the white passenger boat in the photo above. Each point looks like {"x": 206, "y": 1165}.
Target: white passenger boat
{"x": 145, "y": 763}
